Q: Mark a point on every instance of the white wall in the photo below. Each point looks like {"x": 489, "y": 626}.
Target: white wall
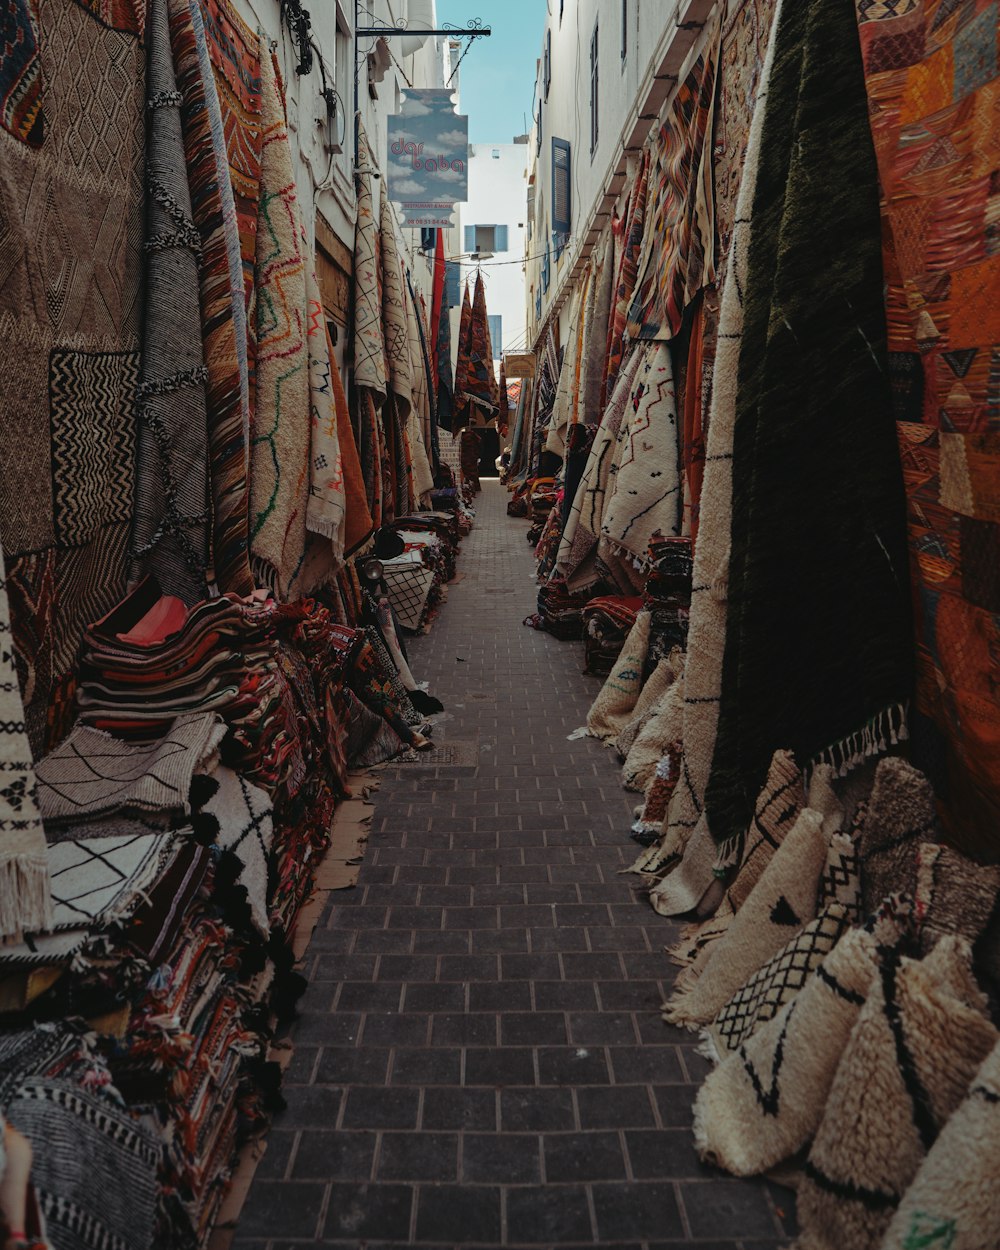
{"x": 497, "y": 197}
{"x": 660, "y": 38}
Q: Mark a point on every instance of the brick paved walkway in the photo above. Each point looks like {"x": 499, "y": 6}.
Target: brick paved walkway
{"x": 481, "y": 1059}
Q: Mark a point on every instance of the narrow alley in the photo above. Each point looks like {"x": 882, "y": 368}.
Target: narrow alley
{"x": 481, "y": 1059}
{"x": 499, "y": 624}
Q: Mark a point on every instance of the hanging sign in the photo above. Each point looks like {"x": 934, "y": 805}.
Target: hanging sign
{"x": 519, "y": 364}
{"x": 428, "y": 153}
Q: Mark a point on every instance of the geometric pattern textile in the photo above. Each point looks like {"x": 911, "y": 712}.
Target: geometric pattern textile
{"x": 918, "y": 1042}
{"x": 780, "y": 905}
{"x": 841, "y": 879}
{"x": 408, "y": 583}
{"x": 70, "y": 276}
{"x": 223, "y": 311}
{"x": 91, "y": 774}
{"x": 21, "y": 109}
{"x": 644, "y": 494}
{"x": 170, "y": 534}
{"x": 800, "y": 371}
{"x": 746, "y": 31}
{"x": 24, "y": 886}
{"x": 900, "y": 814}
{"x": 764, "y": 1102}
{"x": 953, "y": 894}
{"x": 779, "y": 980}
{"x": 369, "y": 346}
{"x": 326, "y": 509}
{"x": 931, "y": 73}
{"x": 615, "y": 705}
{"x": 954, "y": 1200}
{"x": 97, "y": 881}
{"x": 242, "y": 814}
{"x": 95, "y": 1166}
{"x": 678, "y": 247}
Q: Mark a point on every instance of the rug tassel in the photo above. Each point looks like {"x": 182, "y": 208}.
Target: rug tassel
{"x": 676, "y": 1012}
{"x": 730, "y": 853}
{"x": 871, "y": 739}
{"x": 25, "y": 894}
{"x": 325, "y": 529}
{"x": 708, "y": 1049}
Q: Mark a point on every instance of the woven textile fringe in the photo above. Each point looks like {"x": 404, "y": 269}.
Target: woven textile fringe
{"x": 887, "y": 728}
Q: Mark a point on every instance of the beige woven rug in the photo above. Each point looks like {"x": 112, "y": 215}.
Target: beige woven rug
{"x": 707, "y": 630}
{"x": 764, "y": 1103}
{"x": 954, "y": 1200}
{"x": 780, "y": 905}
{"x": 615, "y": 705}
{"x": 918, "y": 1042}
{"x": 24, "y": 867}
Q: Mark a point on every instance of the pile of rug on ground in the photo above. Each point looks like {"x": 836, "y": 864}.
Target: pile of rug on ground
{"x": 786, "y": 387}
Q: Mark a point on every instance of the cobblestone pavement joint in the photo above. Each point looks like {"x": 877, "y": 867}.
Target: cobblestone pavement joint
{"x": 480, "y": 1059}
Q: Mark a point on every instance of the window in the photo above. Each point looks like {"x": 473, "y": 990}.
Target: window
{"x": 452, "y": 295}
{"x": 485, "y": 239}
{"x": 538, "y": 129}
{"x": 538, "y": 303}
{"x": 593, "y": 91}
{"x": 561, "y": 4}
{"x": 496, "y": 334}
{"x": 624, "y": 30}
{"x": 547, "y": 63}
{"x": 496, "y": 154}
{"x": 531, "y": 209}
{"x": 427, "y": 238}
{"x": 561, "y": 195}
{"x": 546, "y": 268}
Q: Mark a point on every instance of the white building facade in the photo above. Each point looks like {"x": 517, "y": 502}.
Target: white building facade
{"x": 493, "y": 236}
{"x": 605, "y": 71}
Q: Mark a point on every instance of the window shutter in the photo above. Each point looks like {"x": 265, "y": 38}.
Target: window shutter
{"x": 562, "y": 208}
{"x": 548, "y": 62}
{"x": 538, "y": 130}
{"x": 452, "y": 296}
{"x": 500, "y": 239}
{"x": 427, "y": 239}
{"x": 496, "y": 333}
{"x": 545, "y": 269}
{"x": 470, "y": 238}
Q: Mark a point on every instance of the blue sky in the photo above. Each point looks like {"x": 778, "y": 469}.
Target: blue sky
{"x": 498, "y": 74}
